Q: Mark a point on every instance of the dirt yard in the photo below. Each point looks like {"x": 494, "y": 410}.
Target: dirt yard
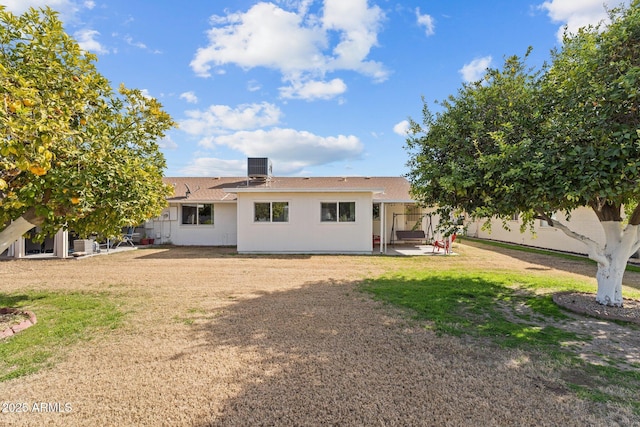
{"x": 212, "y": 338}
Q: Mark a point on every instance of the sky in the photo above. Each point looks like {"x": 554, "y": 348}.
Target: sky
{"x": 320, "y": 87}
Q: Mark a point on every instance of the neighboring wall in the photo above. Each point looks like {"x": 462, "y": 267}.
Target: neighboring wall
{"x": 583, "y": 221}
{"x": 305, "y": 233}
{"x": 167, "y": 228}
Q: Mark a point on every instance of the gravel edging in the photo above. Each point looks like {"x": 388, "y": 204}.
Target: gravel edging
{"x": 585, "y": 303}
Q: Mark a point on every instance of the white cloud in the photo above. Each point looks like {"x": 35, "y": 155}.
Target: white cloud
{"x": 357, "y": 25}
{"x": 87, "y": 40}
{"x": 218, "y": 119}
{"x": 146, "y": 93}
{"x": 314, "y": 90}
{"x": 295, "y": 42}
{"x": 240, "y": 129}
{"x": 253, "y": 86}
{"x": 210, "y": 166}
{"x": 426, "y": 21}
{"x": 89, "y": 4}
{"x": 129, "y": 40}
{"x": 292, "y": 150}
{"x": 264, "y": 36}
{"x": 67, "y": 8}
{"x": 474, "y": 70}
{"x": 579, "y": 13}
{"x": 402, "y": 128}
{"x": 167, "y": 143}
{"x": 190, "y": 97}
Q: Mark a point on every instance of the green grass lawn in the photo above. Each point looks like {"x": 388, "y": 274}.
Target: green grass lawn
{"x": 479, "y": 303}
{"x": 63, "y": 319}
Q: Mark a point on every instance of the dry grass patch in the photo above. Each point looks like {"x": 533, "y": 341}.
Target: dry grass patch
{"x": 210, "y": 337}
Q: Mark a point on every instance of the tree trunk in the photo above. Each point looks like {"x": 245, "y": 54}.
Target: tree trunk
{"x": 18, "y": 228}
{"x": 612, "y": 258}
{"x": 610, "y": 282}
{"x": 619, "y": 247}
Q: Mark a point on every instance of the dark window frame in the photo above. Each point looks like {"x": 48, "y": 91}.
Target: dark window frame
{"x": 272, "y": 216}
{"x": 340, "y": 211}
{"x": 198, "y": 214}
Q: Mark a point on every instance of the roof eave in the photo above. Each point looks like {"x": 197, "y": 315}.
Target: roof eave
{"x": 303, "y": 190}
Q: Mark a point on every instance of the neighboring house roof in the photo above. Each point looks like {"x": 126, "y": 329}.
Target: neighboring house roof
{"x": 385, "y": 189}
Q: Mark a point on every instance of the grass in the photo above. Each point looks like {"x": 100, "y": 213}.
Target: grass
{"x": 501, "y": 305}
{"x": 63, "y": 319}
{"x": 508, "y": 308}
{"x": 608, "y": 384}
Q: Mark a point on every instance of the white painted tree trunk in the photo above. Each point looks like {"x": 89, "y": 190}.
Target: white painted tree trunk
{"x": 619, "y": 247}
{"x": 13, "y": 232}
{"x": 610, "y": 283}
{"x": 612, "y": 258}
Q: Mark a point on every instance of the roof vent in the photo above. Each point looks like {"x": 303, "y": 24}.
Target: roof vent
{"x": 259, "y": 168}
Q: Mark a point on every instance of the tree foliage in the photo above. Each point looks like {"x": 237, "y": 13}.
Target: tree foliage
{"x": 538, "y": 141}
{"x": 480, "y": 154}
{"x": 73, "y": 152}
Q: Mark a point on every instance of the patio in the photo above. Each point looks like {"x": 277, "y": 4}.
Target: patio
{"x": 412, "y": 250}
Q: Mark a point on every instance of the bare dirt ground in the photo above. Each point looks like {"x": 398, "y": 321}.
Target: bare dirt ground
{"x": 214, "y": 339}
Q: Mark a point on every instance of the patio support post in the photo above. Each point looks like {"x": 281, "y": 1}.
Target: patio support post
{"x": 383, "y": 226}
{"x": 61, "y": 244}
{"x": 382, "y": 237}
{"x": 19, "y": 248}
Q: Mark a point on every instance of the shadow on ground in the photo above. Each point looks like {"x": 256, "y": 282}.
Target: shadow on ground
{"x": 205, "y": 252}
{"x": 325, "y": 354}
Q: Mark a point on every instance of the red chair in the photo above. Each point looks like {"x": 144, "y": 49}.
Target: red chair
{"x": 443, "y": 244}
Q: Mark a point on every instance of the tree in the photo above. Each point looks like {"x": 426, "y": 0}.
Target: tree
{"x": 537, "y": 142}
{"x": 73, "y": 153}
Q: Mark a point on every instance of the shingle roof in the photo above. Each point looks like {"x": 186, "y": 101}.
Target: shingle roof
{"x": 395, "y": 189}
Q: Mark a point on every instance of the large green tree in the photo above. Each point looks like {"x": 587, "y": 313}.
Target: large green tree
{"x": 73, "y": 153}
{"x": 538, "y": 142}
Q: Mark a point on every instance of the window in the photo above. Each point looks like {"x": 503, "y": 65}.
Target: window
{"x": 197, "y": 214}
{"x": 271, "y": 212}
{"x": 515, "y": 217}
{"x": 338, "y": 211}
{"x": 280, "y": 212}
{"x": 376, "y": 212}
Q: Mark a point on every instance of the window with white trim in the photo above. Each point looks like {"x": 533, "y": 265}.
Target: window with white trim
{"x": 197, "y": 214}
{"x": 338, "y": 211}
{"x": 271, "y": 211}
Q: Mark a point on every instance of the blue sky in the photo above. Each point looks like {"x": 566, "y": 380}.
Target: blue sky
{"x": 321, "y": 87}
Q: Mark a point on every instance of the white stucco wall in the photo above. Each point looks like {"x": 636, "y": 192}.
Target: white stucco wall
{"x": 583, "y": 221}
{"x": 304, "y": 232}
{"x": 223, "y": 232}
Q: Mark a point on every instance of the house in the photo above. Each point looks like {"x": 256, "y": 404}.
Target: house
{"x": 270, "y": 214}
{"x": 262, "y": 213}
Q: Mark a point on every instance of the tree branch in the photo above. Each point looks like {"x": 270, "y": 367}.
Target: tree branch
{"x": 593, "y": 248}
